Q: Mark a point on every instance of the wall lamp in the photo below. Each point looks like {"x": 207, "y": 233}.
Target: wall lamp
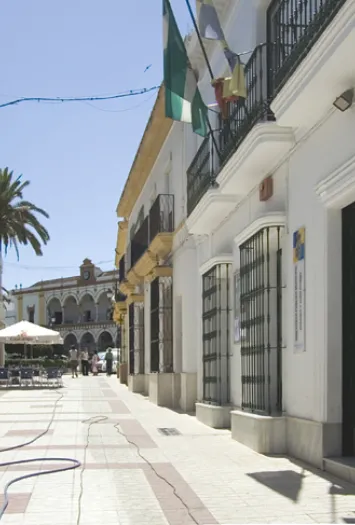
{"x": 345, "y": 100}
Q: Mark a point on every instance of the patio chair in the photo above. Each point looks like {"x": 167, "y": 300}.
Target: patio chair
{"x": 26, "y": 376}
{"x": 4, "y": 376}
{"x": 37, "y": 377}
{"x": 54, "y": 377}
{"x": 14, "y": 377}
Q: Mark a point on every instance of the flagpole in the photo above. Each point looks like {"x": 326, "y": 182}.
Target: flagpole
{"x": 209, "y": 70}
{"x": 199, "y": 38}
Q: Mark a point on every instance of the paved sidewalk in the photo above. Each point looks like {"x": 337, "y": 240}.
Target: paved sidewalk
{"x": 199, "y": 476}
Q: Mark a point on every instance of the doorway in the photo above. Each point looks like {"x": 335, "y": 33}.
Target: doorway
{"x": 348, "y": 300}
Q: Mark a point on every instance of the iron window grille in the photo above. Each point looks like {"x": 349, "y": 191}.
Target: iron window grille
{"x": 131, "y": 337}
{"x": 216, "y": 307}
{"x": 261, "y": 321}
{"x": 161, "y": 324}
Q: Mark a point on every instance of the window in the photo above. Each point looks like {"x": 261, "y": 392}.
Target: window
{"x": 87, "y": 316}
{"x": 31, "y": 315}
{"x": 161, "y": 325}
{"x": 58, "y": 316}
{"x": 260, "y": 302}
{"x": 215, "y": 333}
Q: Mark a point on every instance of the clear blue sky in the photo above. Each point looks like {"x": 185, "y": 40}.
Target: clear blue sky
{"x": 76, "y": 156}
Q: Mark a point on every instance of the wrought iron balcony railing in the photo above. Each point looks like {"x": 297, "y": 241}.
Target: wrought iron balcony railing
{"x": 140, "y": 241}
{"x": 122, "y": 269}
{"x": 217, "y": 147}
{"x": 293, "y": 28}
{"x": 160, "y": 219}
{"x": 161, "y": 216}
{"x": 202, "y": 171}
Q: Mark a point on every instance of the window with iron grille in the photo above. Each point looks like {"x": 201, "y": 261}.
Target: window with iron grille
{"x": 161, "y": 324}
{"x": 138, "y": 338}
{"x": 215, "y": 333}
{"x": 261, "y": 323}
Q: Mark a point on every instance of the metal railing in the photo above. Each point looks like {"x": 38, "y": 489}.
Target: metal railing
{"x": 161, "y": 215}
{"x": 218, "y": 147}
{"x": 202, "y": 171}
{"x": 293, "y": 27}
{"x": 160, "y": 219}
{"x": 140, "y": 242}
{"x": 122, "y": 269}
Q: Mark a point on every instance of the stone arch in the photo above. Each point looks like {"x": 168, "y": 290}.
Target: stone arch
{"x": 69, "y": 340}
{"x": 54, "y": 311}
{"x": 71, "y": 309}
{"x": 87, "y": 307}
{"x": 104, "y": 340}
{"x": 104, "y": 307}
{"x": 87, "y": 341}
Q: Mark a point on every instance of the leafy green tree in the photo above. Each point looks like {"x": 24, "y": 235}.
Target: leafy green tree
{"x": 19, "y": 224}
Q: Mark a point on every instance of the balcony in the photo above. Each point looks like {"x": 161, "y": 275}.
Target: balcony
{"x": 119, "y": 311}
{"x": 311, "y": 59}
{"x": 220, "y": 145}
{"x": 153, "y": 241}
{"x": 294, "y": 26}
{"x": 295, "y": 77}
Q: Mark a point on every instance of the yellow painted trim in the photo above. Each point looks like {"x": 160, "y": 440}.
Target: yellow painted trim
{"x": 119, "y": 311}
{"x": 133, "y": 278}
{"x": 155, "y": 134}
{"x": 126, "y": 288}
{"x": 145, "y": 264}
{"x": 159, "y": 271}
{"x": 162, "y": 245}
{"x": 121, "y": 241}
{"x": 20, "y": 308}
{"x": 135, "y": 298}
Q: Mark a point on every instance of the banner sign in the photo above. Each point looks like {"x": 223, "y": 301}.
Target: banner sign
{"x": 299, "y": 285}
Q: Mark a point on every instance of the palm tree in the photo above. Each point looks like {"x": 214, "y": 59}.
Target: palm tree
{"x": 18, "y": 222}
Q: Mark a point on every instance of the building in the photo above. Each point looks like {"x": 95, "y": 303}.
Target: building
{"x": 9, "y": 312}
{"x": 241, "y": 296}
{"x": 79, "y": 307}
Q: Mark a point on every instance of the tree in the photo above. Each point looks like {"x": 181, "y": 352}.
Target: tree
{"x": 18, "y": 222}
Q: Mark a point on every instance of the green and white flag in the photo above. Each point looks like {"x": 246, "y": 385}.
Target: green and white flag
{"x": 183, "y": 101}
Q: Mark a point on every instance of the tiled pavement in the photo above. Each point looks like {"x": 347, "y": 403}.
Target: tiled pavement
{"x": 199, "y": 476}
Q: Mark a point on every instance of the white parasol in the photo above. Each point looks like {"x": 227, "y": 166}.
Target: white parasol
{"x": 29, "y": 333}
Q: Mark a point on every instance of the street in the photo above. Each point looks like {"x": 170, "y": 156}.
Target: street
{"x": 134, "y": 473}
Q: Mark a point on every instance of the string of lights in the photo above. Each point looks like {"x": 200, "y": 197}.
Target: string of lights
{"x": 29, "y": 267}
{"x": 124, "y": 94}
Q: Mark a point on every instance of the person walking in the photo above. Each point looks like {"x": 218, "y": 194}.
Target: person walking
{"x": 109, "y": 361}
{"x": 85, "y": 362}
{"x": 95, "y": 359}
{"x": 73, "y": 354}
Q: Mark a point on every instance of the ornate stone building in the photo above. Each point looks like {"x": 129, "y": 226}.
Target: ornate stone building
{"x": 79, "y": 307}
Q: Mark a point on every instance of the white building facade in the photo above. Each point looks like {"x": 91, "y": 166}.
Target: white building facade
{"x": 79, "y": 307}
{"x": 256, "y": 273}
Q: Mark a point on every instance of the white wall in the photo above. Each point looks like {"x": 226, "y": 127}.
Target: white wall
{"x": 30, "y": 300}
{"x": 170, "y": 160}
{"x": 186, "y": 298}
{"x": 328, "y": 148}
{"x": 188, "y": 283}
